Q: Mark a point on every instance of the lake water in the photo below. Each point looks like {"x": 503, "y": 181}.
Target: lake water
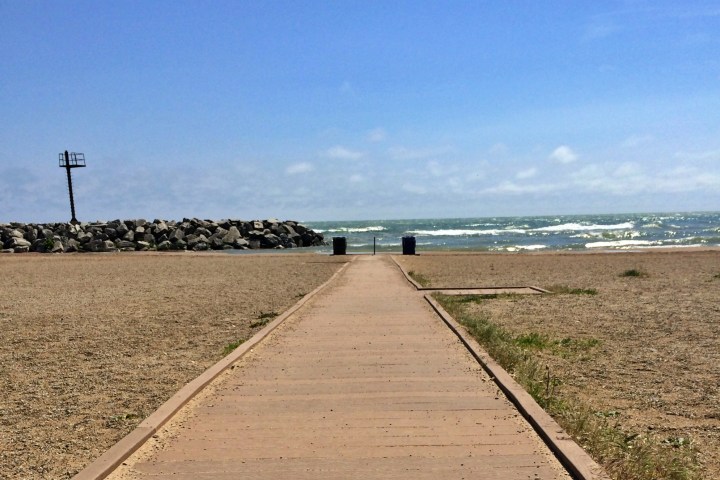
{"x": 512, "y": 234}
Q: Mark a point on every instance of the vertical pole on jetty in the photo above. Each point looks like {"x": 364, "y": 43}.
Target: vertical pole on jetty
{"x": 68, "y": 161}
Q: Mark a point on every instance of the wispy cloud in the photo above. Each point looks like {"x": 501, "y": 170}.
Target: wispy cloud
{"x": 512, "y": 188}
{"x": 436, "y": 169}
{"x": 702, "y": 156}
{"x": 527, "y": 173}
{"x": 376, "y": 135}
{"x": 298, "y": 168}
{"x": 414, "y": 188}
{"x": 600, "y": 28}
{"x": 342, "y": 153}
{"x": 498, "y": 149}
{"x": 636, "y": 141}
{"x": 347, "y": 88}
{"x": 563, "y": 154}
{"x": 627, "y": 169}
{"x": 403, "y": 153}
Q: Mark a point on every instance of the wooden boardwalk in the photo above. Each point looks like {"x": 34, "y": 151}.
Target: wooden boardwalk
{"x": 364, "y": 381}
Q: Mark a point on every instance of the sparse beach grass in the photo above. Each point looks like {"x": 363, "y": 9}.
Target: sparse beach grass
{"x": 263, "y": 319}
{"x": 421, "y": 279}
{"x": 230, "y": 347}
{"x": 646, "y": 359}
{"x": 565, "y": 290}
{"x": 625, "y": 455}
{"x": 634, "y": 272}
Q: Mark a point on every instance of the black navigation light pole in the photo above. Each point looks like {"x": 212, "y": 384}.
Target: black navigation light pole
{"x": 72, "y": 160}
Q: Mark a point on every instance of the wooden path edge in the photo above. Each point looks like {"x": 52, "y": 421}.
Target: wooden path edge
{"x": 106, "y": 463}
{"x": 576, "y": 460}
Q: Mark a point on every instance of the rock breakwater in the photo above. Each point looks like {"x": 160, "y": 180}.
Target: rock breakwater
{"x": 162, "y": 235}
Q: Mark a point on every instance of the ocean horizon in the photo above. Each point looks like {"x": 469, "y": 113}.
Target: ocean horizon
{"x": 529, "y": 233}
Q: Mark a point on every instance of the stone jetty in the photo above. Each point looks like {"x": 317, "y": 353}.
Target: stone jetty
{"x": 162, "y": 235}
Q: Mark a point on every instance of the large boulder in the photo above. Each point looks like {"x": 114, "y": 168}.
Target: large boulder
{"x": 57, "y": 247}
{"x": 193, "y": 240}
{"x": 270, "y": 241}
{"x": 232, "y": 235}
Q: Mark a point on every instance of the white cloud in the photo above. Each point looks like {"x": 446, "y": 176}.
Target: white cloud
{"x": 636, "y": 140}
{"x": 403, "y": 153}
{"x": 347, "y": 88}
{"x": 527, "y": 173}
{"x": 376, "y": 135}
{"x": 435, "y": 169}
{"x": 342, "y": 153}
{"x": 600, "y": 28}
{"x": 512, "y": 188}
{"x": 627, "y": 169}
{"x": 498, "y": 149}
{"x": 705, "y": 155}
{"x": 412, "y": 188}
{"x": 563, "y": 154}
{"x": 297, "y": 168}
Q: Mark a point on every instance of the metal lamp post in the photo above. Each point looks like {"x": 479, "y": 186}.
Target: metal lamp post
{"x": 68, "y": 161}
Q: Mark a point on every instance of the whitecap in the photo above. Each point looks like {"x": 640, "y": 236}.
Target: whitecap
{"x": 619, "y": 244}
{"x": 354, "y": 229}
{"x": 531, "y": 247}
{"x": 565, "y": 227}
{"x": 464, "y": 232}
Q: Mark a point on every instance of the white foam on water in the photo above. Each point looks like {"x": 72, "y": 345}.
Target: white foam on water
{"x": 620, "y": 244}
{"x": 567, "y": 227}
{"x": 531, "y": 247}
{"x": 464, "y": 232}
{"x": 376, "y": 228}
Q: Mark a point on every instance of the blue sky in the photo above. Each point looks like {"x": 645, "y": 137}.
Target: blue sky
{"x": 358, "y": 110}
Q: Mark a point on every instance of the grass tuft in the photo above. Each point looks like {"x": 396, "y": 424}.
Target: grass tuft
{"x": 624, "y": 455}
{"x": 263, "y": 319}
{"x": 564, "y": 289}
{"x": 419, "y": 278}
{"x": 633, "y": 272}
{"x": 230, "y": 347}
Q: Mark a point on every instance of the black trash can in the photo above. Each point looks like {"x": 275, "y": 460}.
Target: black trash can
{"x": 339, "y": 245}
{"x": 408, "y": 244}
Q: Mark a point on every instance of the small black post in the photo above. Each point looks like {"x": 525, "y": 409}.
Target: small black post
{"x": 373, "y": 245}
{"x": 72, "y": 200}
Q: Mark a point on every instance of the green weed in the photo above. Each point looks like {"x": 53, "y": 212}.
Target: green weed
{"x": 421, "y": 279}
{"x": 564, "y": 289}
{"x": 625, "y": 455}
{"x": 263, "y": 319}
{"x": 633, "y": 272}
{"x": 230, "y": 347}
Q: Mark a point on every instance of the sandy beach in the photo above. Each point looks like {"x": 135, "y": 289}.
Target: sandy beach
{"x": 91, "y": 344}
{"x": 656, "y": 368}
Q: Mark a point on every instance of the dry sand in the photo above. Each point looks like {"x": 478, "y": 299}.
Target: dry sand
{"x": 91, "y": 344}
{"x": 658, "y": 361}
